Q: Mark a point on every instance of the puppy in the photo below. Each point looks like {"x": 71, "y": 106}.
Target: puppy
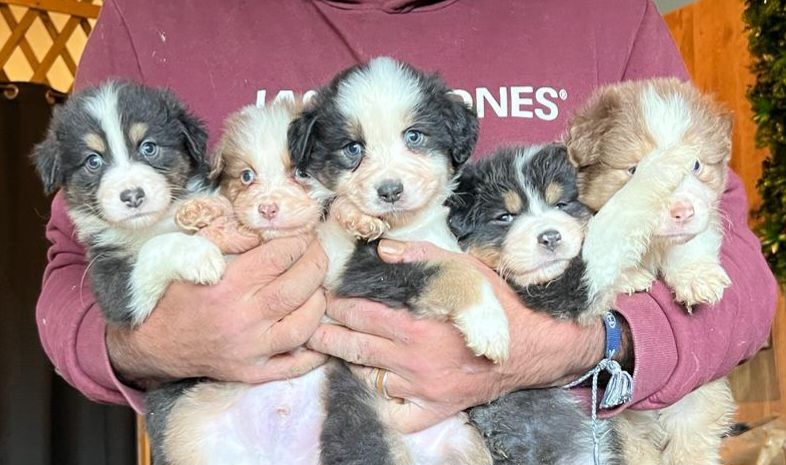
{"x": 518, "y": 211}
{"x": 259, "y": 198}
{"x": 385, "y": 141}
{"x": 652, "y": 159}
{"x": 126, "y": 156}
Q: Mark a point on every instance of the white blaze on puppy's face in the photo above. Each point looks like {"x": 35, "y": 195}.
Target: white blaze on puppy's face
{"x": 397, "y": 173}
{"x": 259, "y": 178}
{"x": 131, "y": 194}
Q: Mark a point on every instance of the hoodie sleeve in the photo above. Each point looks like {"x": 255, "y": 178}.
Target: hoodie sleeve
{"x": 70, "y": 324}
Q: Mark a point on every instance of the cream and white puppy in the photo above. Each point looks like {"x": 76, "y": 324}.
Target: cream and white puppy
{"x": 653, "y": 158}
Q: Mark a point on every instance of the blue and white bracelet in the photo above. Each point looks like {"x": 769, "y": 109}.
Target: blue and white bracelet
{"x": 619, "y": 389}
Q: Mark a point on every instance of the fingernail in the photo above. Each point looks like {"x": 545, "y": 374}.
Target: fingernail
{"x": 391, "y": 248}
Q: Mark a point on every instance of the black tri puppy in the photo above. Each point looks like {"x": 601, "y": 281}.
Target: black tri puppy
{"x": 518, "y": 212}
{"x": 384, "y": 143}
{"x": 125, "y": 155}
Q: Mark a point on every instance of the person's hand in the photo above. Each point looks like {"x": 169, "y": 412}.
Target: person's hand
{"x": 430, "y": 366}
{"x": 250, "y": 327}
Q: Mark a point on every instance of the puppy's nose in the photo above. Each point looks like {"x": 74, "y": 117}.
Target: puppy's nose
{"x": 268, "y": 210}
{"x": 133, "y": 198}
{"x": 549, "y": 239}
{"x": 390, "y": 191}
{"x": 681, "y": 211}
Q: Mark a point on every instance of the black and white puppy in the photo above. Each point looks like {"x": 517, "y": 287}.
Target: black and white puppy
{"x": 384, "y": 141}
{"x": 125, "y": 155}
{"x": 518, "y": 211}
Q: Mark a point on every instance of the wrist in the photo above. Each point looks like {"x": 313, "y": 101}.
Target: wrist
{"x": 131, "y": 366}
{"x": 548, "y": 352}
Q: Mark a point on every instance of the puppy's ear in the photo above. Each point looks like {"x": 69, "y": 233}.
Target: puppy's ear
{"x": 196, "y": 136}
{"x": 588, "y": 125}
{"x": 192, "y": 128}
{"x": 462, "y": 124}
{"x": 299, "y": 138}
{"x": 47, "y": 158}
{"x": 462, "y": 201}
{"x": 216, "y": 161}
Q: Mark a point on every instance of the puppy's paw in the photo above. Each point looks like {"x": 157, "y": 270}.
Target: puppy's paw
{"x": 635, "y": 280}
{"x": 230, "y": 236}
{"x": 203, "y": 263}
{"x": 356, "y": 222}
{"x": 485, "y": 328}
{"x": 701, "y": 284}
{"x": 200, "y": 212}
{"x": 369, "y": 228}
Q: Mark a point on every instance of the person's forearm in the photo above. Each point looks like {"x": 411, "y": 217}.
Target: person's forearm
{"x": 567, "y": 351}
{"x": 132, "y": 365}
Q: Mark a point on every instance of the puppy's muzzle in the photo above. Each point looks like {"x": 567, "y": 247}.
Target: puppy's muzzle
{"x": 390, "y": 191}
{"x": 133, "y": 198}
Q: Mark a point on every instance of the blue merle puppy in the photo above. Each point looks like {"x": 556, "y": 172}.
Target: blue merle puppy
{"x": 125, "y": 156}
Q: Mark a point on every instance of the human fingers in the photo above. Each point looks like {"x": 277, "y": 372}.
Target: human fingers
{"x": 295, "y": 328}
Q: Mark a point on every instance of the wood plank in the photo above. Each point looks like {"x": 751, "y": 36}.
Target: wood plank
{"x": 69, "y": 7}
{"x": 142, "y": 443}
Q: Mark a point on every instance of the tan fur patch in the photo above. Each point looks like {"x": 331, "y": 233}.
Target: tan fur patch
{"x": 512, "y": 201}
{"x": 554, "y": 192}
{"x": 455, "y": 287}
{"x": 490, "y": 256}
{"x": 137, "y": 132}
{"x": 196, "y": 407}
{"x": 95, "y": 142}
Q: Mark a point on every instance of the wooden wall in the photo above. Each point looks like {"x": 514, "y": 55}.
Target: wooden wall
{"x": 712, "y": 39}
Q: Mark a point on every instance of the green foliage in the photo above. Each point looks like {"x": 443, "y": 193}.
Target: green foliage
{"x": 766, "y": 22}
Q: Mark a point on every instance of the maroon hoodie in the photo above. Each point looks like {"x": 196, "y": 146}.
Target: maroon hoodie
{"x": 525, "y": 64}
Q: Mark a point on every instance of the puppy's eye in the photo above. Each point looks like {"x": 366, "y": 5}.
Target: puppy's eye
{"x": 300, "y": 173}
{"x": 94, "y": 162}
{"x": 413, "y": 137}
{"x": 353, "y": 151}
{"x": 247, "y": 176}
{"x": 504, "y": 218}
{"x": 148, "y": 149}
{"x": 696, "y": 167}
{"x": 632, "y": 170}
{"x": 561, "y": 205}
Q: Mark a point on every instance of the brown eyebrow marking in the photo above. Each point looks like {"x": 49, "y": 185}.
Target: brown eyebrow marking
{"x": 137, "y": 132}
{"x": 95, "y": 142}
{"x": 553, "y": 192}
{"x": 512, "y": 201}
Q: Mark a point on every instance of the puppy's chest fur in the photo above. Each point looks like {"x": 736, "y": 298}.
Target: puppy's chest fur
{"x": 352, "y": 261}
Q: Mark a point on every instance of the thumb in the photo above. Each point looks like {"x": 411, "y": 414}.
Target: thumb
{"x": 406, "y": 252}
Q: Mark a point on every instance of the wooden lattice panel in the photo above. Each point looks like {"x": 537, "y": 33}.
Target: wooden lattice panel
{"x": 42, "y": 40}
